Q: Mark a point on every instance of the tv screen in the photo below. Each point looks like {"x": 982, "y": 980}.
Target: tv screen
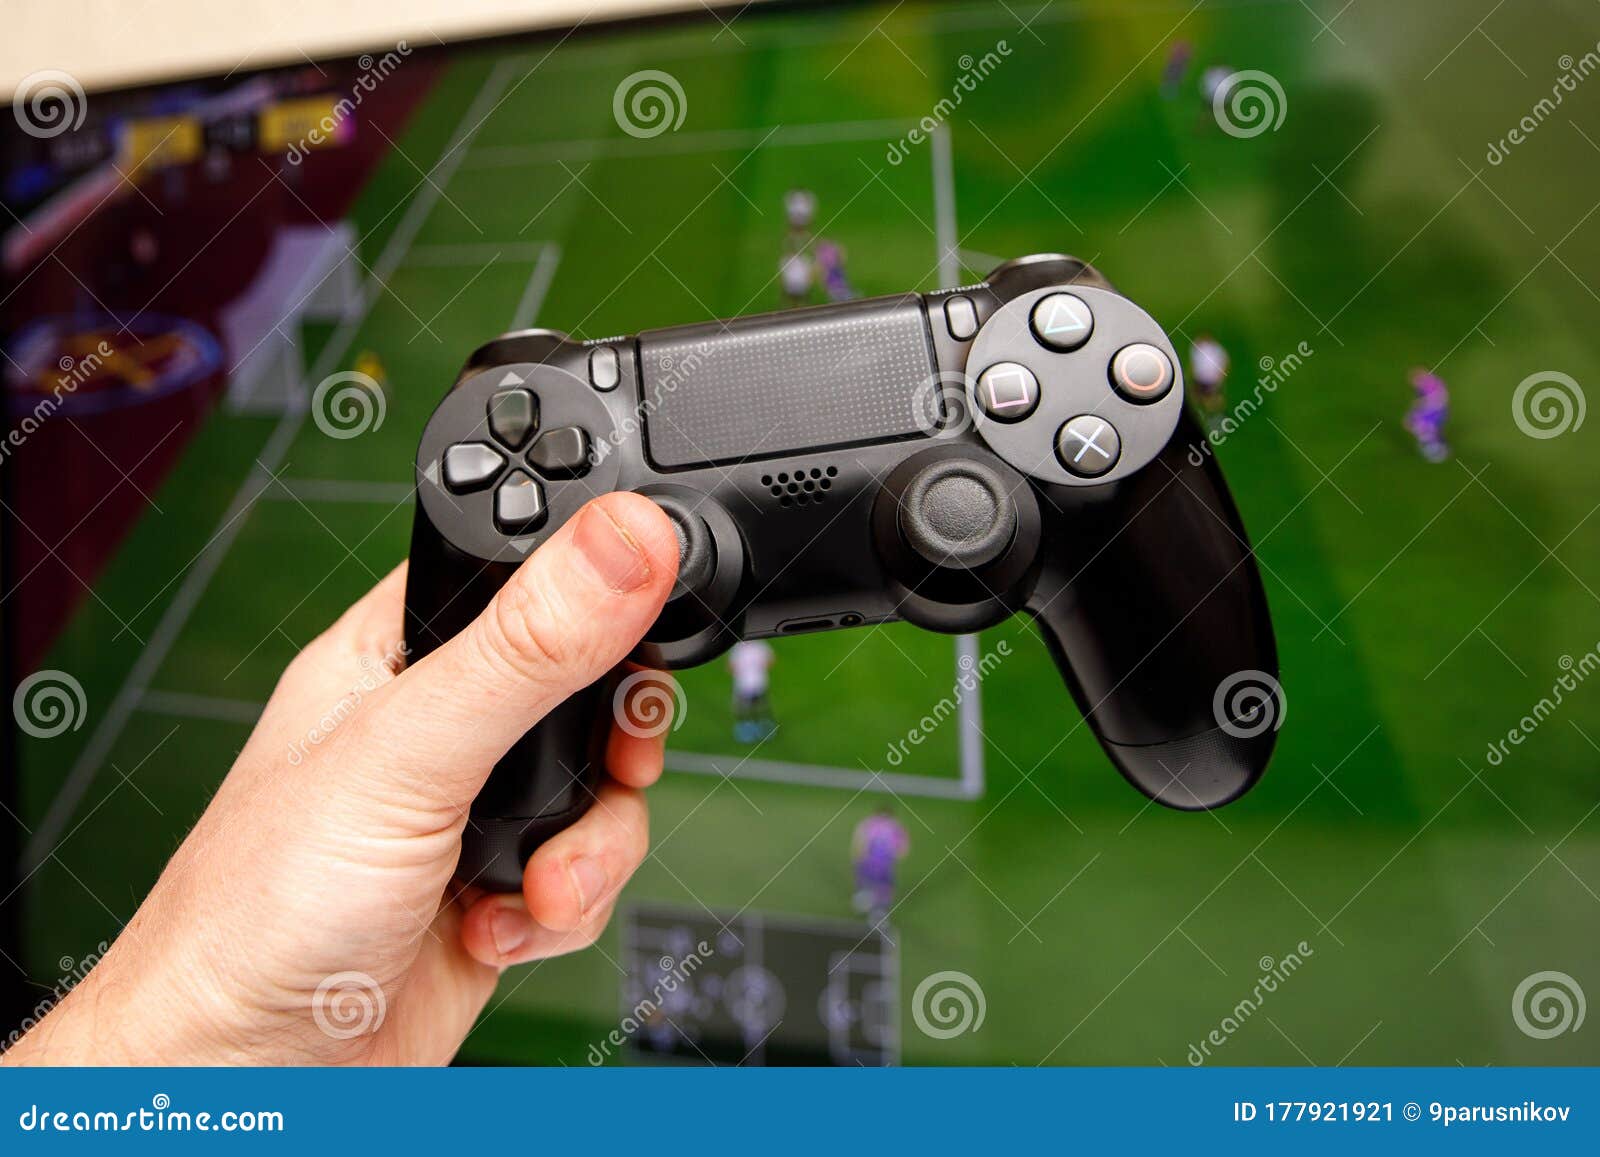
{"x": 231, "y": 304}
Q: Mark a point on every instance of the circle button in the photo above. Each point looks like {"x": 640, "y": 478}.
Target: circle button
{"x": 1088, "y": 445}
{"x": 1141, "y": 373}
{"x": 1008, "y": 391}
{"x": 1061, "y": 321}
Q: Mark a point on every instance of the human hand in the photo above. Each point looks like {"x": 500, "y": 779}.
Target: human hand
{"x": 334, "y": 866}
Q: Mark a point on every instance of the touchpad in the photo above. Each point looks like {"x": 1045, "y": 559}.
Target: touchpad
{"x": 760, "y": 387}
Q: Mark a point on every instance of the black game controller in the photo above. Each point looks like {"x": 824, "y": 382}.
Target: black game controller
{"x": 945, "y": 459}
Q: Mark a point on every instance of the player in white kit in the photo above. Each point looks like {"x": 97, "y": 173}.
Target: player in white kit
{"x": 1208, "y": 374}
{"x": 749, "y": 663}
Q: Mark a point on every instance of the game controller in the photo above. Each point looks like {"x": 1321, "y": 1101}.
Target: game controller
{"x": 943, "y": 459}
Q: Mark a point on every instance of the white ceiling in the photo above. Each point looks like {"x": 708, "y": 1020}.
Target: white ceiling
{"x": 103, "y": 43}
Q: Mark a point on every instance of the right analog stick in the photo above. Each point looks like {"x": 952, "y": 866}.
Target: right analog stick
{"x": 958, "y": 514}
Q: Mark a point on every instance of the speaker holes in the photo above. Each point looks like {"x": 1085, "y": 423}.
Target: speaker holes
{"x": 801, "y": 486}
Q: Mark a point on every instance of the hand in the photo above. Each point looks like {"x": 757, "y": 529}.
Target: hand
{"x": 329, "y": 851}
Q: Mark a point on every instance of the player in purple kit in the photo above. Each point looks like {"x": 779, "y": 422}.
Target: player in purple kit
{"x": 1428, "y": 414}
{"x": 830, "y": 265}
{"x": 880, "y": 843}
{"x": 1172, "y": 73}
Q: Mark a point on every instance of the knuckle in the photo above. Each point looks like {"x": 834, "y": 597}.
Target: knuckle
{"x": 589, "y": 934}
{"x": 526, "y": 627}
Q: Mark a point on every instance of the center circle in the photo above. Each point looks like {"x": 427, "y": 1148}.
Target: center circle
{"x": 960, "y": 508}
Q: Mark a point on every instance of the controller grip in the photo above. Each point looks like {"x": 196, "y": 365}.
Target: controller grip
{"x": 1152, "y": 605}
{"x": 542, "y": 786}
{"x": 549, "y": 778}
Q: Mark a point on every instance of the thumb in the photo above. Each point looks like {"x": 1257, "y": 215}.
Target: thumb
{"x": 569, "y": 614}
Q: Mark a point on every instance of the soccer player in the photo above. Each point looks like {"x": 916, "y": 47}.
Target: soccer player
{"x": 1427, "y": 415}
{"x": 1214, "y": 84}
{"x": 880, "y": 843}
{"x": 795, "y": 277}
{"x": 1172, "y": 73}
{"x": 370, "y": 366}
{"x": 799, "y": 208}
{"x": 749, "y": 662}
{"x": 1208, "y": 372}
{"x": 830, "y": 264}
{"x": 796, "y": 272}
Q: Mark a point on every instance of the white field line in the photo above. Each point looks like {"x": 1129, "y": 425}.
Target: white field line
{"x": 789, "y": 136}
{"x": 544, "y": 271}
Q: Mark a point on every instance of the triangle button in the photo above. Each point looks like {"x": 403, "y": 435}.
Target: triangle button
{"x": 1062, "y": 321}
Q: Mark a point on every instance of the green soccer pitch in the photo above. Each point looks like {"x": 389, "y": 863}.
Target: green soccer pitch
{"x": 1422, "y": 609}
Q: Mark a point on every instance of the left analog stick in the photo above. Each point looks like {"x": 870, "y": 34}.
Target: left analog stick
{"x": 697, "y": 550}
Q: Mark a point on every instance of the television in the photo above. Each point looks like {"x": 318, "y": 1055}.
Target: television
{"x": 232, "y": 302}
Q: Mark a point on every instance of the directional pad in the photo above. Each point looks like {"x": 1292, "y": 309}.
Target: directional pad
{"x": 519, "y": 504}
{"x": 514, "y": 416}
{"x": 471, "y": 466}
{"x": 561, "y": 453}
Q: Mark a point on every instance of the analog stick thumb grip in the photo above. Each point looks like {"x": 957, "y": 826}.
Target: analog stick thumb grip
{"x": 957, "y": 514}
{"x": 697, "y": 551}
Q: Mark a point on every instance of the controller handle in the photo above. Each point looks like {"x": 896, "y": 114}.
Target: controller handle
{"x": 1150, "y": 601}
{"x": 548, "y": 779}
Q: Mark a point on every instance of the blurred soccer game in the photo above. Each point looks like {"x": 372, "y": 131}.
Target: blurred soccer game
{"x": 263, "y": 320}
